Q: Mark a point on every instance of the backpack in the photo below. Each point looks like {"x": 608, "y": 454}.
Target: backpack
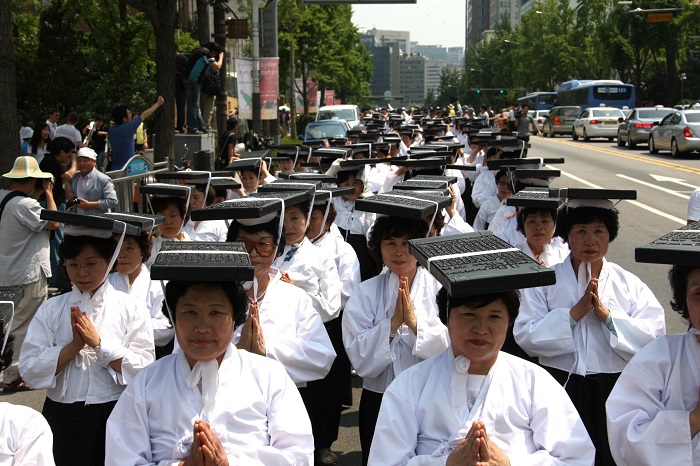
{"x": 211, "y": 84}
{"x": 196, "y": 54}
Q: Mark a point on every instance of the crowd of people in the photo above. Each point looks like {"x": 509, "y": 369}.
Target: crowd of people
{"x": 223, "y": 325}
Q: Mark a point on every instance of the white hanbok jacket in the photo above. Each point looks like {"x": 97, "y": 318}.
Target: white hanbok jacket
{"x": 26, "y": 437}
{"x": 484, "y": 186}
{"x": 347, "y": 218}
{"x": 367, "y": 323}
{"x": 543, "y": 326}
{"x": 333, "y": 244}
{"x": 505, "y": 225}
{"x": 648, "y": 409}
{"x": 425, "y": 414}
{"x": 294, "y": 332}
{"x": 486, "y": 212}
{"x": 257, "y": 414}
{"x": 553, "y": 253}
{"x": 208, "y": 230}
{"x": 314, "y": 273}
{"x": 125, "y": 332}
{"x": 150, "y": 292}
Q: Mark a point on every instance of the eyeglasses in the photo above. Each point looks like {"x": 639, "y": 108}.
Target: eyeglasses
{"x": 73, "y": 266}
{"x": 263, "y": 248}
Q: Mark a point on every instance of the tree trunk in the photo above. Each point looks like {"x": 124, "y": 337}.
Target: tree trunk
{"x": 222, "y": 97}
{"x": 9, "y": 138}
{"x": 204, "y": 33}
{"x": 162, "y": 15}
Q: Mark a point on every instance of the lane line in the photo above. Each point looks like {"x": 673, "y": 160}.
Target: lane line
{"x": 648, "y": 208}
{"x": 666, "y": 190}
{"x": 662, "y": 163}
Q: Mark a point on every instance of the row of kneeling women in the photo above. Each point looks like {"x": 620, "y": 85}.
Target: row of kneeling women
{"x": 257, "y": 361}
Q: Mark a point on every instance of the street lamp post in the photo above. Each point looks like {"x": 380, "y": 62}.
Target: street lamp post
{"x": 682, "y": 78}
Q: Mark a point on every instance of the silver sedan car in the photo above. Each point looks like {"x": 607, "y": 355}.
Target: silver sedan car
{"x": 678, "y": 132}
{"x": 636, "y": 127}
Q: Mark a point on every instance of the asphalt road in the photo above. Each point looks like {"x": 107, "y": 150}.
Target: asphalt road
{"x": 663, "y": 186}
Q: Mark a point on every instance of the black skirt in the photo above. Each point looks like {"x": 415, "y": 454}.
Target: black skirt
{"x": 78, "y": 431}
{"x": 589, "y": 394}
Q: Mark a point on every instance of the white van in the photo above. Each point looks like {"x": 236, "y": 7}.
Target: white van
{"x": 349, "y": 113}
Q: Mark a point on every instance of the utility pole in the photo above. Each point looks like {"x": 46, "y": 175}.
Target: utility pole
{"x": 222, "y": 97}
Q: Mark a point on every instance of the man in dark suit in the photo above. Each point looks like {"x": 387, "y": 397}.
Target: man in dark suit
{"x": 93, "y": 191}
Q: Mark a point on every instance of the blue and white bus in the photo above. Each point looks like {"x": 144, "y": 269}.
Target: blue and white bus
{"x": 594, "y": 93}
{"x": 539, "y": 100}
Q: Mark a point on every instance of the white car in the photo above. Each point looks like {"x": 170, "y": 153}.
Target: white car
{"x": 601, "y": 122}
{"x": 539, "y": 116}
{"x": 350, "y": 113}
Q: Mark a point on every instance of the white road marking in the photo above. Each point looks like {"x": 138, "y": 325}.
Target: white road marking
{"x": 672, "y": 180}
{"x": 651, "y": 185}
{"x": 638, "y": 204}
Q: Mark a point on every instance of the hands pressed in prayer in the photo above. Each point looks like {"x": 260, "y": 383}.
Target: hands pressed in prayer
{"x": 404, "y": 312}
{"x": 477, "y": 450}
{"x": 585, "y": 304}
{"x": 285, "y": 278}
{"x": 599, "y": 308}
{"x": 206, "y": 448}
{"x": 83, "y": 324}
{"x": 252, "y": 338}
{"x": 78, "y": 343}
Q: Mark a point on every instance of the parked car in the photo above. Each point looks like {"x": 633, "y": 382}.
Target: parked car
{"x": 636, "y": 127}
{"x": 318, "y": 131}
{"x": 678, "y": 132}
{"x": 350, "y": 113}
{"x": 560, "y": 120}
{"x": 539, "y": 116}
{"x": 599, "y": 122}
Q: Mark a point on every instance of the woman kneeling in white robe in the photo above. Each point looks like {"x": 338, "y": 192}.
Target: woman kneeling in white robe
{"x": 209, "y": 402}
{"x": 653, "y": 411}
{"x": 474, "y": 403}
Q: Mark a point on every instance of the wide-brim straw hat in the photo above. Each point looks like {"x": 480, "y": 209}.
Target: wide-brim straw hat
{"x": 27, "y": 167}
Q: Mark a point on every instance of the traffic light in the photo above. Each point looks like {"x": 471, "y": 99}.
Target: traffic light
{"x": 478, "y": 91}
{"x": 501, "y": 91}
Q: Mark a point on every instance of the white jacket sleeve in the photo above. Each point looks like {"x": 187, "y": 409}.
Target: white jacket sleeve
{"x": 366, "y": 343}
{"x": 541, "y": 331}
{"x": 39, "y": 355}
{"x": 308, "y": 354}
{"x": 327, "y": 300}
{"x": 640, "y": 425}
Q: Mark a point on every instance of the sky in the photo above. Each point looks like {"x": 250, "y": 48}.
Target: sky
{"x": 427, "y": 20}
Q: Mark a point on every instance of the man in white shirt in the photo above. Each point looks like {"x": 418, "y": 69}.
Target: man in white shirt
{"x": 52, "y": 121}
{"x": 68, "y": 130}
{"x": 24, "y": 250}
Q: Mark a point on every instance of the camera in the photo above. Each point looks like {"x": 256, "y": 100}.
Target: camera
{"x": 518, "y": 113}
{"x": 71, "y": 202}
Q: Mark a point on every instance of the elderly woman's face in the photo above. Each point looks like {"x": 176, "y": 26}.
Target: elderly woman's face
{"x": 539, "y": 228}
{"x": 478, "y": 334}
{"x": 130, "y": 256}
{"x": 693, "y": 297}
{"x": 589, "y": 241}
{"x": 204, "y": 323}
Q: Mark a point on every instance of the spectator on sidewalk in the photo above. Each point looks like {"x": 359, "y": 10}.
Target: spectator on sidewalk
{"x": 93, "y": 191}
{"x": 24, "y": 250}
{"x": 69, "y": 130}
{"x": 52, "y": 121}
{"x": 121, "y": 134}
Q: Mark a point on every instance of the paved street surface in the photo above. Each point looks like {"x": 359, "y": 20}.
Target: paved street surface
{"x": 663, "y": 186}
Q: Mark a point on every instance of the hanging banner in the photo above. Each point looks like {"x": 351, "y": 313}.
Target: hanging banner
{"x": 313, "y": 95}
{"x": 244, "y": 78}
{"x": 269, "y": 87}
{"x": 330, "y": 97}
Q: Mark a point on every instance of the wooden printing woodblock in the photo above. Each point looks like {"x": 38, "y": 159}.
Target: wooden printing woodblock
{"x": 478, "y": 263}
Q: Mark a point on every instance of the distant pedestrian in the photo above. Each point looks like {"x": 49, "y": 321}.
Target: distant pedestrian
{"x": 52, "y": 121}
{"x": 212, "y": 55}
{"x": 121, "y": 134}
{"x": 68, "y": 130}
